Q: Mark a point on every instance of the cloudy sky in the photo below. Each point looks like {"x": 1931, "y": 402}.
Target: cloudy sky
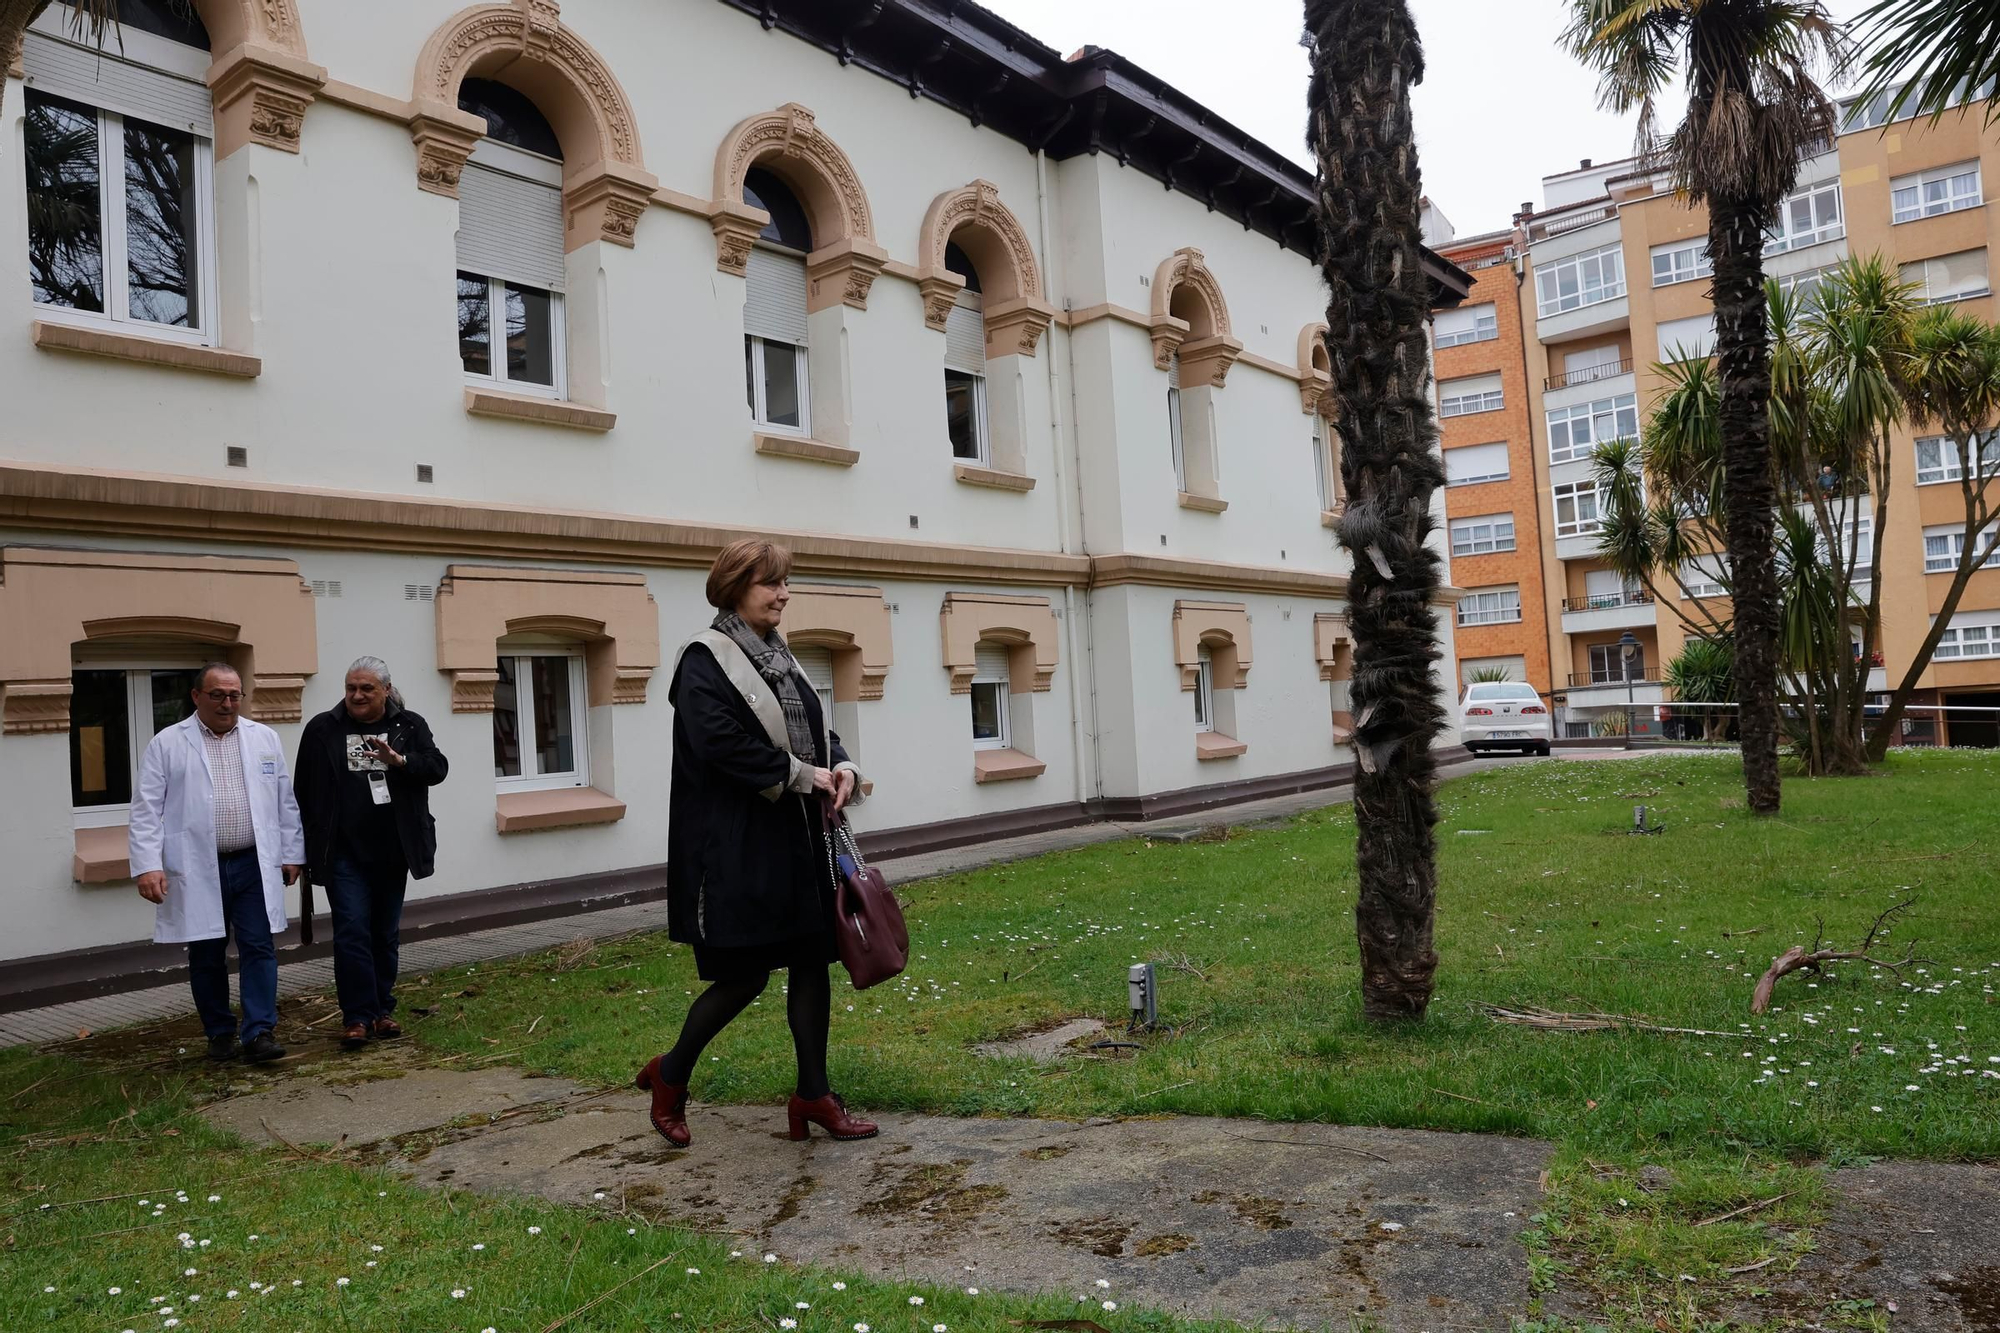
{"x": 1500, "y": 107}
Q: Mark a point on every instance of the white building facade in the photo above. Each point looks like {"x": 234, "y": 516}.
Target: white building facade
{"x": 465, "y": 337}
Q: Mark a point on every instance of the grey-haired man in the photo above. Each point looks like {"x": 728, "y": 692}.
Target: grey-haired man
{"x": 364, "y": 774}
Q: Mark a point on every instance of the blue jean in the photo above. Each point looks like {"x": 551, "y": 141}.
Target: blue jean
{"x": 244, "y": 916}
{"x": 367, "y": 905}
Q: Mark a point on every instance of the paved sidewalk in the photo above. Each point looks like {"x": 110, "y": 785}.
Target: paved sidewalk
{"x": 61, "y": 1022}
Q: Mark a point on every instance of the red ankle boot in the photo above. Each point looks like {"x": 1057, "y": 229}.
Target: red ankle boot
{"x": 670, "y": 1100}
{"x": 830, "y": 1114}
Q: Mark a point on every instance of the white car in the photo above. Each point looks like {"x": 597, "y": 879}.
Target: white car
{"x": 1504, "y": 715}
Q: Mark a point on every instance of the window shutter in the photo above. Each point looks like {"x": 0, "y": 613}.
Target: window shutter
{"x": 510, "y": 228}
{"x": 965, "y": 337}
{"x": 1463, "y": 319}
{"x": 990, "y": 661}
{"x": 775, "y": 306}
{"x": 817, "y": 663}
{"x": 1174, "y": 371}
{"x": 1475, "y": 461}
{"x": 106, "y": 79}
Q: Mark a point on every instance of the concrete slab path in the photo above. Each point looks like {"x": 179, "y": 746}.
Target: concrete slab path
{"x": 1268, "y": 1225}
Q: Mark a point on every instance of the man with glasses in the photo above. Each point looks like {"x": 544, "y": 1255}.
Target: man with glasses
{"x": 214, "y": 839}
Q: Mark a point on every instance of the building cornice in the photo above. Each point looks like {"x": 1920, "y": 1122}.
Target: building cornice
{"x": 132, "y": 504}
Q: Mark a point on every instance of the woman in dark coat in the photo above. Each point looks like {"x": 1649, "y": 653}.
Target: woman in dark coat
{"x": 749, "y": 874}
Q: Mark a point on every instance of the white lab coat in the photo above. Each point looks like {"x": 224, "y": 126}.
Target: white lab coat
{"x": 173, "y": 827}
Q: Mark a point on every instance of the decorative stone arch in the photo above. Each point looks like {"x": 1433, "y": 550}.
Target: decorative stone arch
{"x": 1333, "y": 648}
{"x": 1191, "y": 318}
{"x": 850, "y": 623}
{"x": 612, "y": 615}
{"x": 1315, "y": 372}
{"x": 789, "y": 144}
{"x": 1026, "y": 625}
{"x": 1221, "y": 627}
{"x": 525, "y": 45}
{"x": 256, "y": 613}
{"x": 1016, "y": 306}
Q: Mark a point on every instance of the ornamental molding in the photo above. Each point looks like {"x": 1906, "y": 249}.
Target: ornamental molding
{"x": 1025, "y": 625}
{"x": 1220, "y": 626}
{"x": 611, "y": 614}
{"x": 260, "y": 96}
{"x": 1187, "y": 267}
{"x": 998, "y": 246}
{"x": 1315, "y": 378}
{"x": 574, "y": 88}
{"x": 852, "y": 624}
{"x": 789, "y": 142}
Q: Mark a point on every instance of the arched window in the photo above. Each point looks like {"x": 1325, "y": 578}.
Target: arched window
{"x": 774, "y": 308}
{"x": 119, "y": 161}
{"x": 510, "y": 245}
{"x": 965, "y": 364}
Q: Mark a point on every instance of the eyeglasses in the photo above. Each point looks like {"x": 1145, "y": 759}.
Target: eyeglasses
{"x": 224, "y": 696}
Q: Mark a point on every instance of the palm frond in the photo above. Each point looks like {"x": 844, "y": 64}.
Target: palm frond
{"x": 1948, "y": 48}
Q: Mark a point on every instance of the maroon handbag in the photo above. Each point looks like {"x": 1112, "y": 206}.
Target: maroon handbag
{"x": 868, "y": 926}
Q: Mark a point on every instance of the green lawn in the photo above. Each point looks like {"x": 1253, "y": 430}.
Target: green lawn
{"x": 1546, "y": 901}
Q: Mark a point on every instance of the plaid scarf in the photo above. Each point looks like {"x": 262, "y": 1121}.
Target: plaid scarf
{"x": 775, "y": 664}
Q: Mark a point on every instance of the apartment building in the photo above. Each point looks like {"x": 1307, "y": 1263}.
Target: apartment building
{"x": 1485, "y": 428}
{"x": 1615, "y": 276}
{"x": 465, "y": 337}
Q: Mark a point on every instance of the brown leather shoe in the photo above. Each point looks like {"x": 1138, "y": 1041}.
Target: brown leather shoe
{"x": 387, "y": 1029}
{"x": 670, "y": 1101}
{"x": 830, "y": 1114}
{"x": 354, "y": 1037}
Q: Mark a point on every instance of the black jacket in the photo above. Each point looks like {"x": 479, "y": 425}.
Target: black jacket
{"x": 742, "y": 869}
{"x": 322, "y": 766}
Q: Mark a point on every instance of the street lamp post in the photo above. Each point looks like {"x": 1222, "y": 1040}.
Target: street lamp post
{"x": 1628, "y": 648}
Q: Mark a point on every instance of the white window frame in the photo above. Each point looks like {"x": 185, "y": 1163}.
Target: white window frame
{"x": 1612, "y": 407}
{"x": 1497, "y": 528}
{"x": 1671, "y": 346}
{"x": 496, "y": 342}
{"x": 1324, "y": 471}
{"x": 1580, "y": 267}
{"x": 1964, "y": 188}
{"x": 1506, "y": 457}
{"x": 579, "y": 709}
{"x": 1485, "y": 326}
{"x": 1176, "y": 436}
{"x": 113, "y": 231}
{"x": 1005, "y": 739}
{"x": 1956, "y": 643}
{"x": 1490, "y": 606}
{"x": 982, "y": 439}
{"x": 825, "y": 694}
{"x": 1686, "y": 261}
{"x": 1780, "y": 238}
{"x": 1948, "y": 468}
{"x": 1944, "y": 545}
{"x": 1859, "y": 531}
{"x": 1923, "y": 294}
{"x": 1470, "y": 404}
{"x": 760, "y": 408}
{"x": 1700, "y": 582}
{"x": 138, "y": 673}
{"x": 1580, "y": 527}
{"x": 1810, "y": 280}
{"x": 1614, "y": 653}
{"x": 1204, "y": 689}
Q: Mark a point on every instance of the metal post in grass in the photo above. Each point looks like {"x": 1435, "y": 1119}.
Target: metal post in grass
{"x": 1628, "y": 648}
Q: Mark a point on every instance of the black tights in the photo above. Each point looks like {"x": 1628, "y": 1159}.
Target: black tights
{"x": 808, "y": 1008}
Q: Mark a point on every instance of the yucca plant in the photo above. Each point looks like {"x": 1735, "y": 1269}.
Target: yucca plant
{"x": 1704, "y": 672}
{"x": 1488, "y": 676}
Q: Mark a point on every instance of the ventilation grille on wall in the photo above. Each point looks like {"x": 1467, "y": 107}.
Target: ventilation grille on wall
{"x": 423, "y": 472}
{"x": 326, "y": 587}
{"x": 237, "y": 455}
{"x": 418, "y": 592}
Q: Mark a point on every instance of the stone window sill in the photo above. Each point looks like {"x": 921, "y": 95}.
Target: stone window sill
{"x": 805, "y": 450}
{"x": 119, "y": 346}
{"x": 1214, "y": 745}
{"x": 1207, "y": 504}
{"x": 1004, "y": 766}
{"x": 1330, "y": 518}
{"x": 974, "y": 475}
{"x": 564, "y": 807}
{"x": 101, "y": 856}
{"x": 544, "y": 411}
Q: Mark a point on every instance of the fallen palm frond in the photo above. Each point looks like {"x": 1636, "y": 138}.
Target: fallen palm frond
{"x": 1554, "y": 1020}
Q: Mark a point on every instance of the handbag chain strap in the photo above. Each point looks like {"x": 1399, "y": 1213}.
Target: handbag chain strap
{"x": 845, "y": 833}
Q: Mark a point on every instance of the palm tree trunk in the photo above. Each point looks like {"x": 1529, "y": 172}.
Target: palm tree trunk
{"x": 1365, "y": 58}
{"x": 1736, "y": 243}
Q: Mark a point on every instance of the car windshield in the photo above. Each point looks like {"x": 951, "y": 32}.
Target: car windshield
{"x": 1501, "y": 690}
